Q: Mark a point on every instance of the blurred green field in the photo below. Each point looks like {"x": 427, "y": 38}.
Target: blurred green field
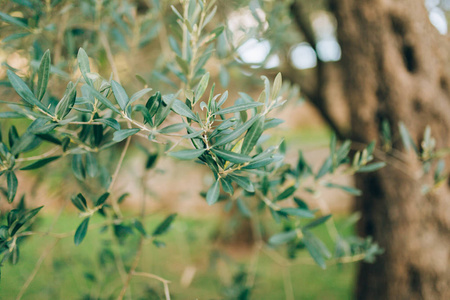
{"x": 63, "y": 274}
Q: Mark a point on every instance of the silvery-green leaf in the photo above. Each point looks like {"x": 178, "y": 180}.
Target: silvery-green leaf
{"x": 270, "y": 123}
{"x": 187, "y": 154}
{"x": 236, "y": 133}
{"x": 283, "y": 237}
{"x": 299, "y": 212}
{"x": 183, "y": 110}
{"x": 100, "y": 97}
{"x": 12, "y": 20}
{"x": 201, "y": 87}
{"x": 66, "y": 103}
{"x": 222, "y": 99}
{"x": 173, "y": 128}
{"x": 276, "y": 86}
{"x": 124, "y": 133}
{"x": 163, "y": 111}
{"x": 43, "y": 75}
{"x": 81, "y": 231}
{"x": 136, "y": 96}
{"x": 253, "y": 135}
{"x": 233, "y": 157}
{"x": 372, "y": 167}
{"x": 120, "y": 94}
{"x": 12, "y": 183}
{"x": 237, "y": 108}
{"x": 243, "y": 182}
{"x": 109, "y": 122}
{"x": 348, "y": 189}
{"x": 40, "y": 163}
{"x": 83, "y": 64}
{"x": 24, "y": 91}
{"x": 213, "y": 193}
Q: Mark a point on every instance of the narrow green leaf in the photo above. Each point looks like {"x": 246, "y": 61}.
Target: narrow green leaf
{"x": 26, "y": 142}
{"x": 213, "y": 193}
{"x": 29, "y": 214}
{"x": 12, "y": 184}
{"x": 153, "y": 103}
{"x": 187, "y": 154}
{"x": 316, "y": 248}
{"x": 164, "y": 225}
{"x": 136, "y": 96}
{"x": 266, "y": 88}
{"x": 201, "y": 87}
{"x": 11, "y": 115}
{"x": 257, "y": 162}
{"x": 236, "y": 133}
{"x": 102, "y": 199}
{"x": 227, "y": 186}
{"x": 183, "y": 64}
{"x": 243, "y": 182}
{"x": 24, "y": 91}
{"x": 183, "y": 110}
{"x": 163, "y": 111}
{"x": 271, "y": 123}
{"x": 140, "y": 227}
{"x": 68, "y": 100}
{"x": 83, "y": 64}
{"x": 43, "y": 75}
{"x": 233, "y": 157}
{"x": 122, "y": 198}
{"x": 12, "y": 20}
{"x": 348, "y": 189}
{"x": 173, "y": 128}
{"x": 124, "y": 133}
{"x": 371, "y": 167}
{"x": 276, "y": 86}
{"x": 283, "y": 237}
{"x": 40, "y": 163}
{"x": 326, "y": 167}
{"x": 193, "y": 134}
{"x": 286, "y": 193}
{"x": 317, "y": 222}
{"x": 299, "y": 212}
{"x": 103, "y": 99}
{"x": 253, "y": 135}
{"x": 243, "y": 208}
{"x": 15, "y": 36}
{"x": 91, "y": 165}
{"x": 109, "y": 122}
{"x": 81, "y": 231}
{"x": 78, "y": 168}
{"x": 120, "y": 94}
{"x": 237, "y": 108}
{"x": 222, "y": 99}
{"x": 407, "y": 140}
{"x": 79, "y": 202}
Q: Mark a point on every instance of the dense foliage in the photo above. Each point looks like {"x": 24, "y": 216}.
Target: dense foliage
{"x": 180, "y": 115}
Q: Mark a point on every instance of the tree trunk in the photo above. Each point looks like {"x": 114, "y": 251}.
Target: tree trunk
{"x": 396, "y": 68}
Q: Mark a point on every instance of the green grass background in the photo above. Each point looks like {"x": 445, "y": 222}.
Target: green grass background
{"x": 63, "y": 274}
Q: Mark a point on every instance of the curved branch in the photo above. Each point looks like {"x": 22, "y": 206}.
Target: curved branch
{"x": 315, "y": 95}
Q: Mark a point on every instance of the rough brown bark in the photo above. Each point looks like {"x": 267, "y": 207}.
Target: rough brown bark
{"x": 396, "y": 67}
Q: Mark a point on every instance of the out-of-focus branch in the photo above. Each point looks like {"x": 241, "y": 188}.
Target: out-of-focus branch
{"x": 316, "y": 94}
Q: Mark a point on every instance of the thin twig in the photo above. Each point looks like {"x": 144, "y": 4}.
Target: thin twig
{"x": 36, "y": 268}
{"x": 164, "y": 281}
{"x": 44, "y": 155}
{"x": 133, "y": 268}
{"x": 109, "y": 55}
{"x": 119, "y": 164}
{"x": 287, "y": 280}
